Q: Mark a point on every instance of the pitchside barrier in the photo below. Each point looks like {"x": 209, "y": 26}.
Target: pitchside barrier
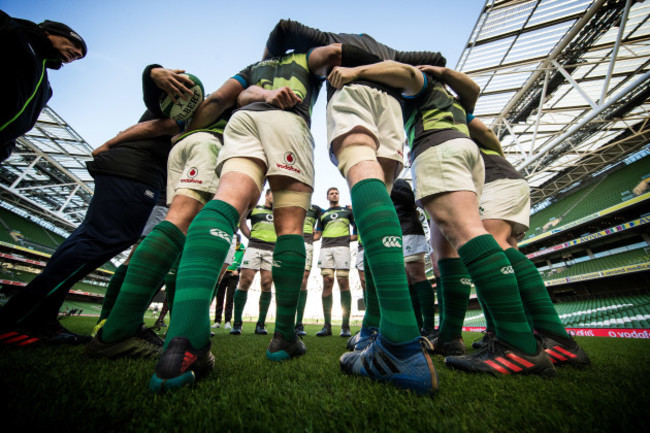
{"x": 591, "y": 332}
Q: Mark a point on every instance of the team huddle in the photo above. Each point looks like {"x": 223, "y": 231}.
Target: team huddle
{"x": 254, "y": 130}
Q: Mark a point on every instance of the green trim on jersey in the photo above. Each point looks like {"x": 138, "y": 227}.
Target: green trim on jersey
{"x": 434, "y": 111}
{"x": 290, "y": 71}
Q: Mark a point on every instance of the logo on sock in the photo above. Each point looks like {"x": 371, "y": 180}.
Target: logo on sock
{"x": 507, "y": 270}
{"x": 392, "y": 242}
{"x": 466, "y": 281}
{"x": 277, "y": 264}
{"x": 221, "y": 234}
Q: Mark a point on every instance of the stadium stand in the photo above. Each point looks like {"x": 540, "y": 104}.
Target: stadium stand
{"x": 592, "y": 246}
{"x": 24, "y": 250}
{"x": 609, "y": 189}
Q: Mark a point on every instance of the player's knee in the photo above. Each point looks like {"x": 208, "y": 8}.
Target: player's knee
{"x": 350, "y": 156}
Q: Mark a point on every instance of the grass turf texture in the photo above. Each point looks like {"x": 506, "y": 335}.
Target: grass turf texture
{"x": 59, "y": 387}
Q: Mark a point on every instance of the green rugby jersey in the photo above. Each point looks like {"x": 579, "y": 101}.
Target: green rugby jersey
{"x": 216, "y": 128}
{"x": 290, "y": 71}
{"x": 313, "y": 214}
{"x": 239, "y": 254}
{"x": 497, "y": 167}
{"x": 263, "y": 234}
{"x": 335, "y": 224}
{"x": 432, "y": 117}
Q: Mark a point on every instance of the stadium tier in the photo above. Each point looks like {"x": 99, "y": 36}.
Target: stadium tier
{"x": 604, "y": 263}
{"x": 612, "y": 188}
{"x": 15, "y": 229}
{"x": 25, "y": 248}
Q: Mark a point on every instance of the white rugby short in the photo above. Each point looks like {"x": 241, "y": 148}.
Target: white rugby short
{"x": 507, "y": 200}
{"x": 280, "y": 139}
{"x": 414, "y": 247}
{"x": 359, "y": 261}
{"x": 255, "y": 258}
{"x": 230, "y": 257}
{"x": 334, "y": 258}
{"x": 309, "y": 256}
{"x": 455, "y": 165}
{"x": 378, "y": 112}
{"x": 191, "y": 167}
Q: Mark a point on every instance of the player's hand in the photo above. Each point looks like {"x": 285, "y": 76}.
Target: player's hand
{"x": 283, "y": 98}
{"x": 435, "y": 71}
{"x": 173, "y": 83}
{"x": 340, "y": 76}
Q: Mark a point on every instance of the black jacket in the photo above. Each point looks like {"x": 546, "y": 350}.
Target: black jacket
{"x": 24, "y": 83}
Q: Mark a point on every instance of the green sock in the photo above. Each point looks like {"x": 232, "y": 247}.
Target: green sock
{"x": 424, "y": 292}
{"x": 289, "y": 267}
{"x": 372, "y": 316}
{"x": 327, "y": 309}
{"x": 147, "y": 269}
{"x": 265, "y": 301}
{"x": 206, "y": 248}
{"x": 489, "y": 323}
{"x": 239, "y": 301}
{"x": 300, "y": 310}
{"x": 113, "y": 289}
{"x": 170, "y": 284}
{"x": 346, "y": 306}
{"x": 378, "y": 226}
{"x": 415, "y": 301}
{"x": 494, "y": 278}
{"x": 534, "y": 294}
{"x": 457, "y": 284}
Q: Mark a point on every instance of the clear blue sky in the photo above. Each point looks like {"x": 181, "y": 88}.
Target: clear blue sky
{"x": 101, "y": 94}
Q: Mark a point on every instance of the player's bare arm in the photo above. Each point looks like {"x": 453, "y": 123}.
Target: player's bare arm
{"x": 216, "y": 104}
{"x": 283, "y": 97}
{"x": 391, "y": 73}
{"x": 141, "y": 131}
{"x": 466, "y": 89}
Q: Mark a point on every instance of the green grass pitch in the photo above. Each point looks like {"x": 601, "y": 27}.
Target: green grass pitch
{"x": 60, "y": 389}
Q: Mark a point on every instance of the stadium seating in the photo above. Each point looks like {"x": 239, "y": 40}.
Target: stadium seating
{"x": 606, "y": 192}
{"x": 614, "y": 312}
{"x": 33, "y": 235}
{"x": 626, "y": 258}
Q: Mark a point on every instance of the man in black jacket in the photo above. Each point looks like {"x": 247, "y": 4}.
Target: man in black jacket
{"x": 31, "y": 49}
{"x": 129, "y": 172}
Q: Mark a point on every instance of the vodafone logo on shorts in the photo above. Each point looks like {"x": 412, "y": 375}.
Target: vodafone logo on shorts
{"x": 191, "y": 174}
{"x": 290, "y": 160}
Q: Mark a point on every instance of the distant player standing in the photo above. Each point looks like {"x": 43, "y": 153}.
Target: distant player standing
{"x": 334, "y": 232}
{"x": 313, "y": 214}
{"x": 257, "y": 257}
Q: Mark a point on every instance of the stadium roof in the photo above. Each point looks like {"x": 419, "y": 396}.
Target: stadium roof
{"x": 564, "y": 84}
{"x": 46, "y": 175}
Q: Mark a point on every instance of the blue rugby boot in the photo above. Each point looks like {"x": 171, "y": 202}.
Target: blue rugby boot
{"x": 361, "y": 339}
{"x": 405, "y": 365}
